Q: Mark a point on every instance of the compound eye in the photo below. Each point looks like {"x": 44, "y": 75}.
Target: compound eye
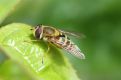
{"x": 38, "y": 31}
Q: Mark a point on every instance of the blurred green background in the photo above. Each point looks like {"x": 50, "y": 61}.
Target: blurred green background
{"x": 98, "y": 20}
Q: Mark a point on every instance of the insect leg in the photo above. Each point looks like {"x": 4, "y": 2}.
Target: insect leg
{"x": 42, "y": 59}
{"x": 48, "y": 49}
{"x": 31, "y": 41}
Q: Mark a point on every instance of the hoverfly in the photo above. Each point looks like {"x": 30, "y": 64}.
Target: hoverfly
{"x": 58, "y": 38}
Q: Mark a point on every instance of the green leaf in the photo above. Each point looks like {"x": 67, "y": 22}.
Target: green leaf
{"x": 6, "y": 6}
{"x": 9, "y": 70}
{"x": 16, "y": 42}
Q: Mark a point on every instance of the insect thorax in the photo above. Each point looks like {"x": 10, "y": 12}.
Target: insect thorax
{"x": 50, "y": 31}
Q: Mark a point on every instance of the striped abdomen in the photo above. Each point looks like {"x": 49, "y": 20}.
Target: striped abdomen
{"x": 65, "y": 43}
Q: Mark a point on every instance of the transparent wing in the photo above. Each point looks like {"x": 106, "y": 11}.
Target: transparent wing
{"x": 77, "y": 35}
{"x": 68, "y": 46}
{"x": 75, "y": 51}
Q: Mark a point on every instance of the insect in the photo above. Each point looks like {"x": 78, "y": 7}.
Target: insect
{"x": 59, "y": 38}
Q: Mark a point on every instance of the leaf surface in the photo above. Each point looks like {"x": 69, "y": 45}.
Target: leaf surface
{"x": 16, "y": 42}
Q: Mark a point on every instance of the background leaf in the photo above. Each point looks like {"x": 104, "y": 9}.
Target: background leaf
{"x": 6, "y": 6}
{"x": 16, "y": 43}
